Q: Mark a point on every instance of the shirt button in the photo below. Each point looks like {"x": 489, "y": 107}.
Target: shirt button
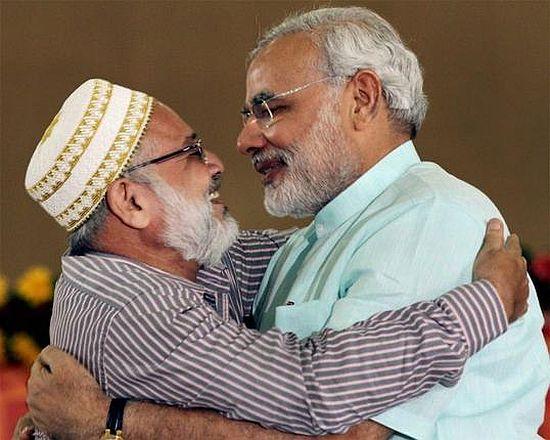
{"x": 290, "y": 303}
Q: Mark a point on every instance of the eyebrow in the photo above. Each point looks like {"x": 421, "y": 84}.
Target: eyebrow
{"x": 193, "y": 136}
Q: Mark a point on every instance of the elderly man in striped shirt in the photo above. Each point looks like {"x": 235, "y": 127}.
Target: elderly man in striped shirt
{"x": 150, "y": 302}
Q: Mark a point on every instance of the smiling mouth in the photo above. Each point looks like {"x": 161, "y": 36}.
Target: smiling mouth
{"x": 215, "y": 184}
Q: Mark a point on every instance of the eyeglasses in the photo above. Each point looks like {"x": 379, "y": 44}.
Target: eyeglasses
{"x": 193, "y": 149}
{"x": 260, "y": 110}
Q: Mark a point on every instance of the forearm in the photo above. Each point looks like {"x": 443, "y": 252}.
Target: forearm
{"x": 301, "y": 387}
{"x": 145, "y": 421}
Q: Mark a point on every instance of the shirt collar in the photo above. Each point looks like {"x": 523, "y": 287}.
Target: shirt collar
{"x": 365, "y": 189}
{"x": 118, "y": 263}
{"x": 87, "y": 269}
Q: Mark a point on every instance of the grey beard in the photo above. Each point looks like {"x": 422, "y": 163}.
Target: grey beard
{"x": 192, "y": 229}
{"x": 318, "y": 169}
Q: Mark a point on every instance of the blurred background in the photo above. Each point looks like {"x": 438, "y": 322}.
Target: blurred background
{"x": 486, "y": 67}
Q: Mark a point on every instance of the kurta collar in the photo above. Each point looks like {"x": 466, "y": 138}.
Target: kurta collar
{"x": 365, "y": 189}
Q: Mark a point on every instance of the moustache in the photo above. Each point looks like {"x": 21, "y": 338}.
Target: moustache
{"x": 267, "y": 154}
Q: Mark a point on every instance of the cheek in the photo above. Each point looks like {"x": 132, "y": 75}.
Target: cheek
{"x": 284, "y": 134}
{"x": 195, "y": 184}
{"x": 157, "y": 214}
{"x": 192, "y": 178}
{"x": 293, "y": 128}
{"x": 153, "y": 235}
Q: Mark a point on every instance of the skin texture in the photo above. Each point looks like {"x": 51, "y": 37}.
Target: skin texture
{"x": 491, "y": 256}
{"x": 57, "y": 378}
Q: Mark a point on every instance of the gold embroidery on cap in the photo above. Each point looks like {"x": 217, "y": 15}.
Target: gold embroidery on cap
{"x": 135, "y": 120}
{"x": 79, "y": 141}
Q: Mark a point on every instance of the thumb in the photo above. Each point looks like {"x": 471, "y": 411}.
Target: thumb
{"x": 53, "y": 359}
{"x": 494, "y": 235}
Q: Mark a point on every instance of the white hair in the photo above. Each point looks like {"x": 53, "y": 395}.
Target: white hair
{"x": 190, "y": 226}
{"x": 355, "y": 38}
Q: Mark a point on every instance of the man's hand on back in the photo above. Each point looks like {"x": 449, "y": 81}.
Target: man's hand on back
{"x": 502, "y": 264}
{"x": 63, "y": 398}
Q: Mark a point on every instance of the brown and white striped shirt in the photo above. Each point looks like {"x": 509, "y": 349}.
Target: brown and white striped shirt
{"x": 146, "y": 334}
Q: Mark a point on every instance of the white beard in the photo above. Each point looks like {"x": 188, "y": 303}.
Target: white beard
{"x": 191, "y": 227}
{"x": 318, "y": 168}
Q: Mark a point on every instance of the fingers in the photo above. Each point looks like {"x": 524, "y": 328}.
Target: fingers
{"x": 52, "y": 359}
{"x": 35, "y": 368}
{"x": 24, "y": 428}
{"x": 39, "y": 367}
{"x": 513, "y": 245}
{"x": 51, "y": 354}
{"x": 494, "y": 235}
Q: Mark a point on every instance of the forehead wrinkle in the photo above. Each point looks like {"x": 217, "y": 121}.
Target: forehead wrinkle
{"x": 297, "y": 53}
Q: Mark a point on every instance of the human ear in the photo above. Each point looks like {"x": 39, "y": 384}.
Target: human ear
{"x": 367, "y": 94}
{"x": 130, "y": 202}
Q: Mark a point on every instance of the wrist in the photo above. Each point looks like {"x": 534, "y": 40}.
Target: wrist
{"x": 500, "y": 291}
{"x": 98, "y": 416}
{"x": 115, "y": 420}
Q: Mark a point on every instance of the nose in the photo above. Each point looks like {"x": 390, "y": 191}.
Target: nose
{"x": 214, "y": 163}
{"x": 251, "y": 138}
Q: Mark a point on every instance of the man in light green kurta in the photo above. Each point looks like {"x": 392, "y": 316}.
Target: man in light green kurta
{"x": 403, "y": 232}
{"x": 333, "y": 101}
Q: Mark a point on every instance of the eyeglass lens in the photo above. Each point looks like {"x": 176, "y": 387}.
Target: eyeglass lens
{"x": 261, "y": 112}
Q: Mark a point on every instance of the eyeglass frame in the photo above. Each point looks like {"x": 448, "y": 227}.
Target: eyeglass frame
{"x": 246, "y": 113}
{"x": 195, "y": 147}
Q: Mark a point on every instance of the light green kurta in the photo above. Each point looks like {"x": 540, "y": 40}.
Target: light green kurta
{"x": 408, "y": 231}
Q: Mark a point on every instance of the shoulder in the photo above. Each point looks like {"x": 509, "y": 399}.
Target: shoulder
{"x": 428, "y": 188}
{"x": 259, "y": 243}
{"x": 259, "y": 237}
{"x": 125, "y": 283}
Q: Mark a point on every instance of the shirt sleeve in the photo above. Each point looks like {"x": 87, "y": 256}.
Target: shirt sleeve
{"x": 251, "y": 258}
{"x": 324, "y": 384}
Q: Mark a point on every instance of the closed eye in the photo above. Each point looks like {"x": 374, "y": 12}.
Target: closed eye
{"x": 275, "y": 108}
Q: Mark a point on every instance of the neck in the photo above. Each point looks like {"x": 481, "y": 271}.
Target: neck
{"x": 168, "y": 260}
{"x": 378, "y": 147}
{"x": 153, "y": 254}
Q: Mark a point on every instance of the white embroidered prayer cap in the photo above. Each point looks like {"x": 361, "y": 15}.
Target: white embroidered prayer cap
{"x": 85, "y": 148}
